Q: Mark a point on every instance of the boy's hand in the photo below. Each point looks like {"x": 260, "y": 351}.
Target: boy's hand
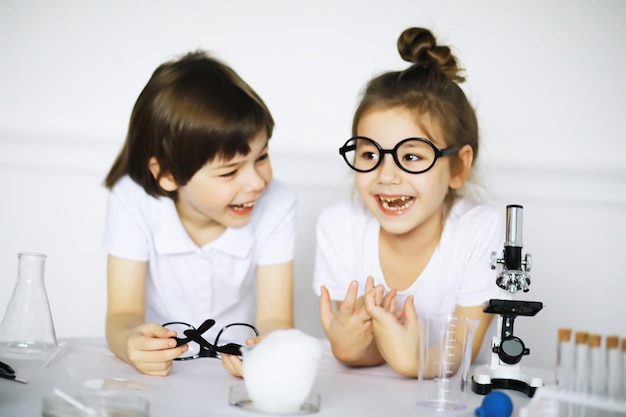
{"x": 233, "y": 363}
{"x": 151, "y": 349}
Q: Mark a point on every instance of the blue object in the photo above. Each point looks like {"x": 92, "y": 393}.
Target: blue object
{"x": 495, "y": 404}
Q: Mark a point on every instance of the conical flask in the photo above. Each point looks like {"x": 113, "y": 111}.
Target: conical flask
{"x": 27, "y": 330}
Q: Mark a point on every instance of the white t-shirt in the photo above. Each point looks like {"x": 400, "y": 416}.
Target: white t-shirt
{"x": 459, "y": 271}
{"x": 189, "y": 283}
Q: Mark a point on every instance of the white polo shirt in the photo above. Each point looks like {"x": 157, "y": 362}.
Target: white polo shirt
{"x": 190, "y": 283}
{"x": 459, "y": 271}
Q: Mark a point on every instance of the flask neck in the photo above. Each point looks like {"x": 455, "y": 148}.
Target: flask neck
{"x": 31, "y": 267}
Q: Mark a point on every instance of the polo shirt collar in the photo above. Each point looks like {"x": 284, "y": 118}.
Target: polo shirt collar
{"x": 170, "y": 237}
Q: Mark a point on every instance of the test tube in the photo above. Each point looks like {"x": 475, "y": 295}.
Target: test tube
{"x": 581, "y": 362}
{"x": 564, "y": 360}
{"x": 614, "y": 368}
{"x": 597, "y": 370}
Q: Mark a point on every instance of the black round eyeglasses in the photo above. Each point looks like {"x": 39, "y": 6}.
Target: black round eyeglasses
{"x": 233, "y": 336}
{"x": 412, "y": 155}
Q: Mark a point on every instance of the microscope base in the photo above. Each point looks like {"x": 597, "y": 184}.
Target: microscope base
{"x": 486, "y": 378}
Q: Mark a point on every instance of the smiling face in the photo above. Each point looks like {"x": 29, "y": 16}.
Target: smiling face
{"x": 223, "y": 192}
{"x": 402, "y": 202}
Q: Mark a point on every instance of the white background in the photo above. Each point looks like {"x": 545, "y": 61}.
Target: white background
{"x": 546, "y": 78}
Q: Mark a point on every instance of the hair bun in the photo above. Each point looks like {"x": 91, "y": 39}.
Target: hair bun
{"x": 419, "y": 47}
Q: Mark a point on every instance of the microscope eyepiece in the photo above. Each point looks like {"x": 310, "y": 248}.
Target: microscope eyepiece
{"x": 514, "y": 220}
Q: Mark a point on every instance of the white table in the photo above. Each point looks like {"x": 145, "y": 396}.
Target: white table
{"x": 201, "y": 387}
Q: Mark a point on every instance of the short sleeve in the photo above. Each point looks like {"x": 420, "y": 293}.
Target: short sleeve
{"x": 334, "y": 253}
{"x": 277, "y": 226}
{"x": 484, "y": 233}
{"x": 124, "y": 234}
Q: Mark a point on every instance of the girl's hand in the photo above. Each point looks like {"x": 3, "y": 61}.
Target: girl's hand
{"x": 396, "y": 334}
{"x": 350, "y": 330}
{"x": 150, "y": 349}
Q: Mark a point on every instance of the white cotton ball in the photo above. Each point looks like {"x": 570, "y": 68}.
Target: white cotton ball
{"x": 280, "y": 371}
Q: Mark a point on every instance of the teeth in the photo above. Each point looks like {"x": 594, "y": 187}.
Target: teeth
{"x": 399, "y": 203}
{"x": 244, "y": 205}
{"x": 388, "y": 200}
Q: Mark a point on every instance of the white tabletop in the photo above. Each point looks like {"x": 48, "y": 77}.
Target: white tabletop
{"x": 201, "y": 387}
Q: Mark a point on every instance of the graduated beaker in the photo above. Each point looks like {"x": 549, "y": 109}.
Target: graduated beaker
{"x": 27, "y": 330}
{"x": 445, "y": 355}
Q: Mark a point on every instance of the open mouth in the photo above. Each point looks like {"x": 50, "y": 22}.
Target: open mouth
{"x": 395, "y": 203}
{"x": 242, "y": 207}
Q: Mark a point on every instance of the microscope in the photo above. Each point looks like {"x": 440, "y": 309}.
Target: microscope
{"x": 504, "y": 371}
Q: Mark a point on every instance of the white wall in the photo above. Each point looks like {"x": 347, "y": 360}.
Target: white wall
{"x": 546, "y": 79}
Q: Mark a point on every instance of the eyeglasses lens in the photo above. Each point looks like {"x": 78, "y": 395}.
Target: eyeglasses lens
{"x": 414, "y": 155}
{"x": 179, "y": 328}
{"x": 235, "y": 333}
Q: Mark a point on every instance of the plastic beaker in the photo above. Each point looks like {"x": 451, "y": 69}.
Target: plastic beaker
{"x": 445, "y": 355}
{"x": 27, "y": 330}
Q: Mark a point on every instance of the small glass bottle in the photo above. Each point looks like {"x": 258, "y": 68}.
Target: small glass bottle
{"x": 564, "y": 360}
{"x": 27, "y": 330}
{"x": 614, "y": 368}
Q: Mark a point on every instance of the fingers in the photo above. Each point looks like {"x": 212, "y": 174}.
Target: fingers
{"x": 380, "y": 294}
{"x": 153, "y": 343}
{"x": 156, "y": 362}
{"x": 393, "y": 305}
{"x": 369, "y": 284}
{"x": 410, "y": 315}
{"x": 253, "y": 341}
{"x": 155, "y": 369}
{"x": 373, "y": 299}
{"x": 233, "y": 365}
{"x": 379, "y": 290}
{"x": 150, "y": 349}
{"x": 156, "y": 330}
{"x": 370, "y": 300}
{"x": 151, "y": 336}
{"x": 353, "y": 306}
{"x": 377, "y": 296}
{"x": 327, "y": 314}
{"x": 349, "y": 302}
{"x": 389, "y": 301}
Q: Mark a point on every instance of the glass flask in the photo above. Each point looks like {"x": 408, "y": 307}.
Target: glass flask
{"x": 27, "y": 330}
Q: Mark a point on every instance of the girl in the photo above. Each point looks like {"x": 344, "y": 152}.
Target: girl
{"x": 195, "y": 227}
{"x": 415, "y": 138}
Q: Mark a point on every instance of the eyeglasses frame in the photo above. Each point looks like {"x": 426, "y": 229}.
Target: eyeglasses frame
{"x": 208, "y": 350}
{"x": 439, "y": 153}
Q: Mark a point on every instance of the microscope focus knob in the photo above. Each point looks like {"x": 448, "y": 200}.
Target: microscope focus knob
{"x": 494, "y": 259}
{"x": 528, "y": 262}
